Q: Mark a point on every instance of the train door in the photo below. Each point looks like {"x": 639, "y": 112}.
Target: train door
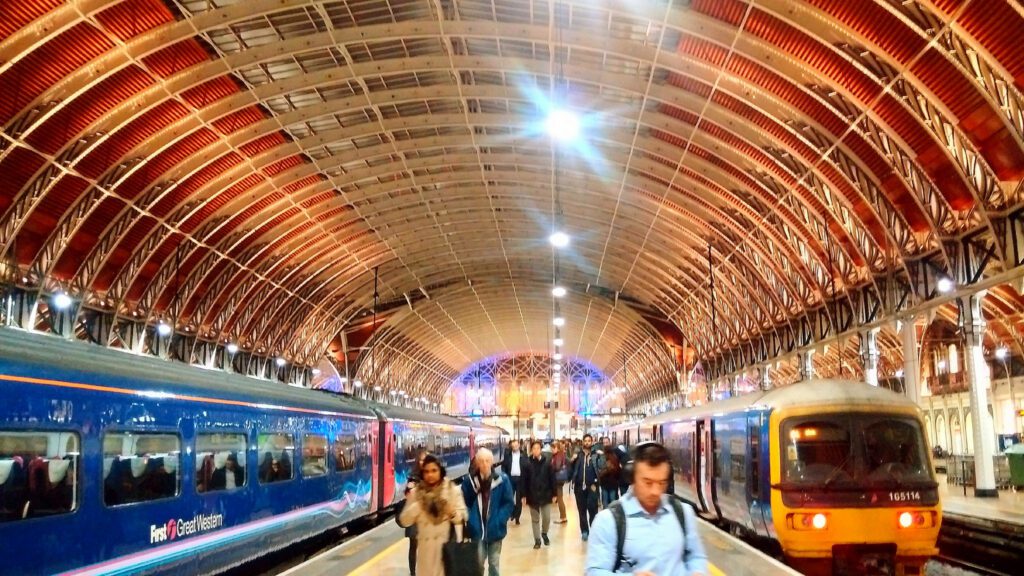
{"x": 388, "y": 459}
{"x": 700, "y": 463}
{"x": 376, "y": 497}
{"x": 757, "y": 500}
{"x": 711, "y": 465}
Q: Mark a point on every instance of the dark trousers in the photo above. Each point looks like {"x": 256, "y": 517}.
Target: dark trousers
{"x": 586, "y": 505}
{"x": 517, "y": 493}
{"x": 412, "y": 555}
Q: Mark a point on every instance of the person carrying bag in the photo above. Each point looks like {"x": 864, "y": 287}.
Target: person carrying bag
{"x": 461, "y": 555}
{"x": 434, "y": 505}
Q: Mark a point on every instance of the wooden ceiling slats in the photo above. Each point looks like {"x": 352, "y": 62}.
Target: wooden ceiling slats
{"x": 121, "y": 142}
{"x": 17, "y": 14}
{"x": 71, "y": 119}
{"x": 30, "y": 76}
{"x": 130, "y": 18}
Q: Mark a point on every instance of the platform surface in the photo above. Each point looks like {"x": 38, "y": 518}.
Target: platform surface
{"x": 1008, "y": 507}
{"x": 384, "y": 551}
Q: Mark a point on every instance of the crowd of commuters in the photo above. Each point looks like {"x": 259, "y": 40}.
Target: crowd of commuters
{"x": 634, "y": 491}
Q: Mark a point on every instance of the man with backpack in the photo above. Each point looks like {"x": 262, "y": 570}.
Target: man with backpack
{"x": 663, "y": 538}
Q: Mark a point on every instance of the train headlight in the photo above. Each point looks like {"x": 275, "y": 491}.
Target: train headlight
{"x": 818, "y": 521}
{"x": 916, "y": 519}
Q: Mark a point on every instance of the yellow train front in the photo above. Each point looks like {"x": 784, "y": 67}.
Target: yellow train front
{"x": 837, "y": 473}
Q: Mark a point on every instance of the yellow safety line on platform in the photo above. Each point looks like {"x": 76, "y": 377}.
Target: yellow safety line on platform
{"x": 380, "y": 555}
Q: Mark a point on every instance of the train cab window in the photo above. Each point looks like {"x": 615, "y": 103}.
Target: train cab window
{"x": 314, "y": 455}
{"x": 894, "y": 449}
{"x": 276, "y": 455}
{"x": 817, "y": 451}
{"x": 39, "y": 474}
{"x": 345, "y": 453}
{"x": 220, "y": 461}
{"x": 140, "y": 466}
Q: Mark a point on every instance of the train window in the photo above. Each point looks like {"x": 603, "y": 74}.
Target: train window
{"x": 314, "y": 455}
{"x": 345, "y": 453}
{"x": 817, "y": 451}
{"x": 140, "y": 466}
{"x": 737, "y": 460}
{"x": 686, "y": 455}
{"x": 39, "y": 474}
{"x": 220, "y": 461}
{"x": 894, "y": 449}
{"x": 277, "y": 453}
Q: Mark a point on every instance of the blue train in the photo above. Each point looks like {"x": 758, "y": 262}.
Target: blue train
{"x": 113, "y": 463}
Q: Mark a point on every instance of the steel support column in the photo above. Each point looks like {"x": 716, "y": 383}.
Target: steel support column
{"x": 979, "y": 381}
{"x": 806, "y": 365}
{"x": 869, "y": 355}
{"x": 911, "y": 361}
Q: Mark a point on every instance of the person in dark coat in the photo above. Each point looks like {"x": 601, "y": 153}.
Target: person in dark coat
{"x": 585, "y": 466}
{"x": 489, "y": 504}
{"x": 539, "y": 492}
{"x": 230, "y": 476}
{"x": 512, "y": 466}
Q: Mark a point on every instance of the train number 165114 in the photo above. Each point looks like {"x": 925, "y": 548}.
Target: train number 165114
{"x": 907, "y": 496}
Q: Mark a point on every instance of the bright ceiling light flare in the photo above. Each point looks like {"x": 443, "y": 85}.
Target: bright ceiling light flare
{"x": 558, "y": 291}
{"x": 163, "y": 328}
{"x": 559, "y": 341}
{"x": 562, "y": 125}
{"x": 62, "y": 301}
{"x": 1001, "y": 353}
{"x": 232, "y": 348}
{"x": 281, "y": 362}
{"x": 559, "y": 239}
{"x": 557, "y": 356}
{"x": 945, "y": 285}
{"x": 558, "y": 321}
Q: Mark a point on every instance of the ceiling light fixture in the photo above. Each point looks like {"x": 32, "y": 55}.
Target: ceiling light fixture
{"x": 558, "y": 321}
{"x": 562, "y": 125}
{"x": 61, "y": 301}
{"x": 558, "y": 291}
{"x": 559, "y": 239}
{"x": 559, "y": 342}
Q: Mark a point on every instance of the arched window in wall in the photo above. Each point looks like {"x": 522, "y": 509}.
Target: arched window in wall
{"x": 956, "y": 432}
{"x": 942, "y": 432}
{"x": 953, "y": 358}
{"x": 928, "y": 432}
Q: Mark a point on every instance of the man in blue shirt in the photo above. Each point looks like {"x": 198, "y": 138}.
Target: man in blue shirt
{"x": 656, "y": 544}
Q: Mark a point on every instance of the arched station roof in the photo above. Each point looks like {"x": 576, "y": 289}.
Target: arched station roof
{"x": 242, "y": 168}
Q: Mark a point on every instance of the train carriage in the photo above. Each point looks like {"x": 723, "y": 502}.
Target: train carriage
{"x": 838, "y": 474}
{"x": 115, "y": 463}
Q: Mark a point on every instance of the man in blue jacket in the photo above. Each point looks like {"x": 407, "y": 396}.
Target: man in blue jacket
{"x": 489, "y": 503}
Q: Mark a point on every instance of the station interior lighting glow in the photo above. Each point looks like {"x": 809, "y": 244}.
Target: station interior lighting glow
{"x": 358, "y": 383}
{"x": 163, "y": 328}
{"x": 62, "y": 301}
{"x": 1002, "y": 353}
{"x": 281, "y": 362}
{"x": 558, "y": 321}
{"x": 557, "y": 356}
{"x": 559, "y": 341}
{"x": 232, "y": 348}
{"x": 558, "y": 291}
{"x": 562, "y": 125}
{"x": 945, "y": 285}
{"x": 559, "y": 239}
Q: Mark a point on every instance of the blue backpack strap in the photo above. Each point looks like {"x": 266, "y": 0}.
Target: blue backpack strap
{"x": 620, "y": 531}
